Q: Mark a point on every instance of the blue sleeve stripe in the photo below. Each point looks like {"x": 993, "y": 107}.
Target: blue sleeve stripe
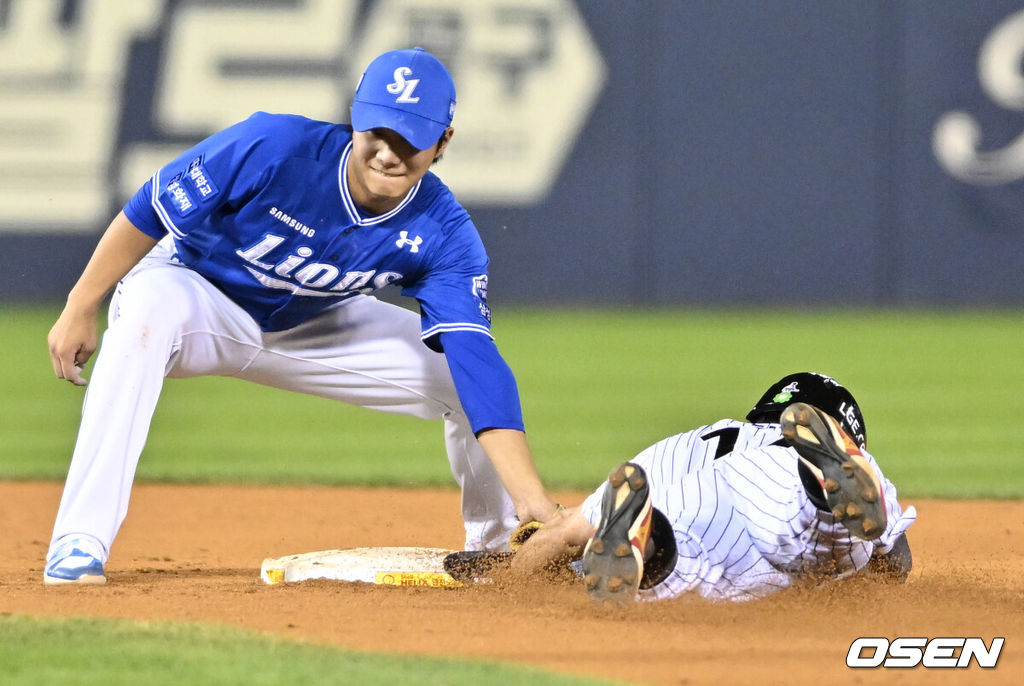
{"x": 165, "y": 218}
{"x": 456, "y": 326}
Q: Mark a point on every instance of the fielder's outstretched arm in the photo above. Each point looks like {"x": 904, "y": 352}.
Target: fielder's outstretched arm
{"x": 74, "y": 336}
{"x": 510, "y": 454}
{"x": 490, "y": 398}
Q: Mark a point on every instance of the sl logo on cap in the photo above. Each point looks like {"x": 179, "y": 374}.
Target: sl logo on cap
{"x": 406, "y": 88}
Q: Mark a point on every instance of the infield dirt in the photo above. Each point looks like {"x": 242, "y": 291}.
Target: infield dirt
{"x": 193, "y": 553}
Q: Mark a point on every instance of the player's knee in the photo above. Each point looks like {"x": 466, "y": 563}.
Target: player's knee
{"x": 149, "y": 307}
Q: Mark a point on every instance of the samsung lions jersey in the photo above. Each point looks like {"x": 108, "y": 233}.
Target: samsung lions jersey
{"x": 263, "y": 211}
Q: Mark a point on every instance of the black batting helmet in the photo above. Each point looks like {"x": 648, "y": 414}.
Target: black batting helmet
{"x": 819, "y": 390}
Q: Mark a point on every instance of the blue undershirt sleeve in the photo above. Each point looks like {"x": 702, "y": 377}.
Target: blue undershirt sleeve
{"x": 485, "y": 384}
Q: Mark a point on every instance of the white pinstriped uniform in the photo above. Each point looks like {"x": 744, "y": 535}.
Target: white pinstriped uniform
{"x": 743, "y": 524}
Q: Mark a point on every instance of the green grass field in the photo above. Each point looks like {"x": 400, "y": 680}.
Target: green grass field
{"x": 82, "y": 651}
{"x": 940, "y": 393}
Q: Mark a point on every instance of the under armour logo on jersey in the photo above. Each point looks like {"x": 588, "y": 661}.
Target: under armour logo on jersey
{"x": 413, "y": 243}
{"x": 400, "y": 85}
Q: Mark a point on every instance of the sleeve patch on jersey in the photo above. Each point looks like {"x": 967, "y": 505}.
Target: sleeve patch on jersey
{"x": 480, "y": 286}
{"x": 201, "y": 182}
{"x": 178, "y": 196}
{"x": 480, "y": 291}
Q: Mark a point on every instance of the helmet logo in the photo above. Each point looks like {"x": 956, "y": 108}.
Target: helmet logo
{"x": 786, "y": 394}
{"x": 849, "y": 416}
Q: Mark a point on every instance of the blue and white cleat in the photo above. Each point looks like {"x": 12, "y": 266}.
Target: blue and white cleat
{"x": 73, "y": 563}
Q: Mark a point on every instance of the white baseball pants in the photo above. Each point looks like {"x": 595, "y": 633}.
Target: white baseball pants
{"x": 167, "y": 320}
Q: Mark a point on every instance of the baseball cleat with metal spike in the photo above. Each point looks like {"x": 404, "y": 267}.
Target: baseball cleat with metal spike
{"x": 851, "y": 486}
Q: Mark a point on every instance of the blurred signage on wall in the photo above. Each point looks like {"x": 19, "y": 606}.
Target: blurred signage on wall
{"x": 96, "y": 94}
{"x": 959, "y": 139}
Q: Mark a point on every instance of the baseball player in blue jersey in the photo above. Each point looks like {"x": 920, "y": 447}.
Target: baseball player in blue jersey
{"x": 738, "y": 510}
{"x": 255, "y": 255}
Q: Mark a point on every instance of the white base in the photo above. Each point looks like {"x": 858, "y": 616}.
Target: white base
{"x": 406, "y": 566}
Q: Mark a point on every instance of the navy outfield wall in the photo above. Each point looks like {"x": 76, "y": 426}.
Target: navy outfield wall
{"x": 659, "y": 153}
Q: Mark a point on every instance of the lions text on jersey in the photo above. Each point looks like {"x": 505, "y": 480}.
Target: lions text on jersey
{"x": 263, "y": 211}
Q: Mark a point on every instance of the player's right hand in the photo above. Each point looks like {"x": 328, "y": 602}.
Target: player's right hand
{"x": 72, "y": 342}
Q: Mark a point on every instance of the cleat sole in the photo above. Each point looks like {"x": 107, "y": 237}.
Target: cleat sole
{"x": 851, "y": 488}
{"x": 612, "y": 561}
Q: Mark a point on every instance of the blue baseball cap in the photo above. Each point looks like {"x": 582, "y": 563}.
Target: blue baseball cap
{"x": 409, "y": 92}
